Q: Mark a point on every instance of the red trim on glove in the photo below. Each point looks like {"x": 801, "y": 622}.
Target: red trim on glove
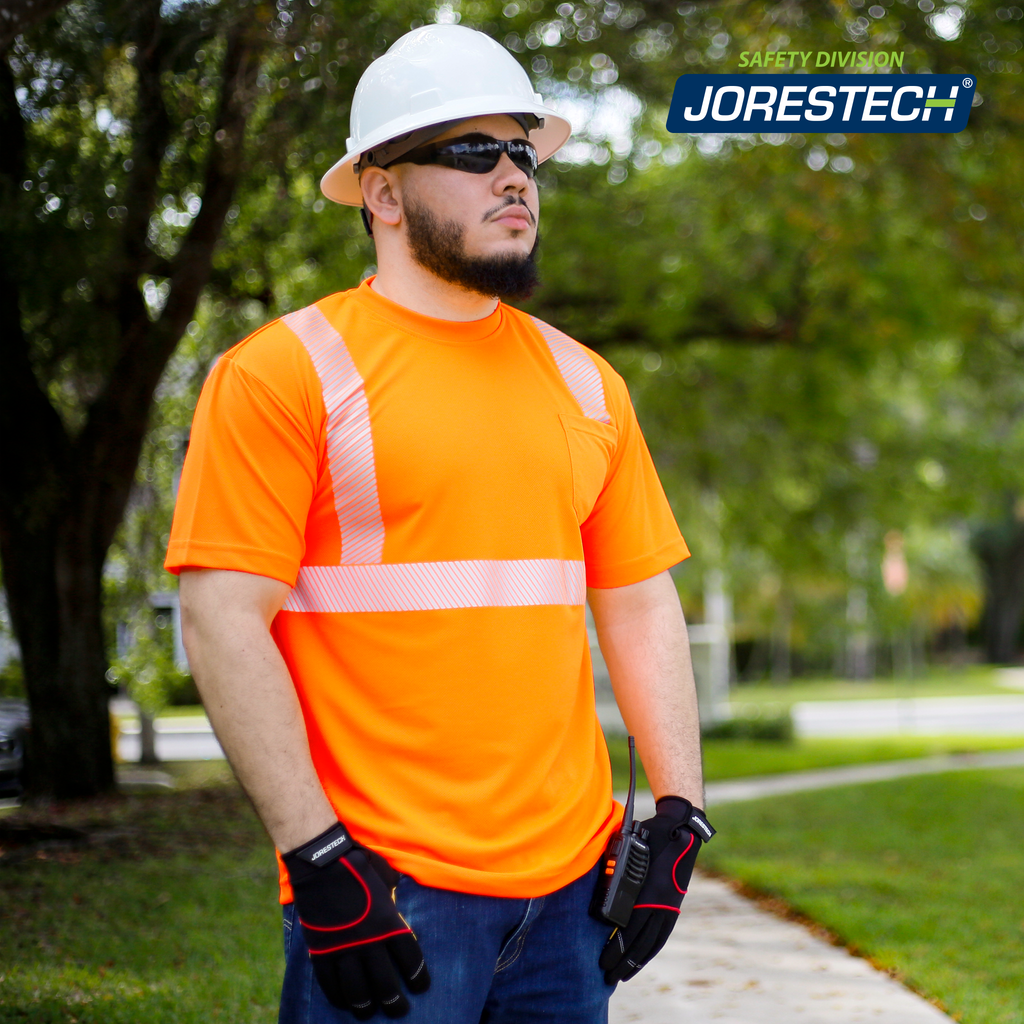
{"x": 689, "y": 846}
{"x": 657, "y": 906}
{"x": 361, "y": 942}
{"x": 351, "y": 924}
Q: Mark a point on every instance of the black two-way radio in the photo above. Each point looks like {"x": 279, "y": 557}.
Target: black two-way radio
{"x": 624, "y": 864}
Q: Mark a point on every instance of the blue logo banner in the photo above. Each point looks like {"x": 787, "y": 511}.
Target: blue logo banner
{"x": 821, "y": 103}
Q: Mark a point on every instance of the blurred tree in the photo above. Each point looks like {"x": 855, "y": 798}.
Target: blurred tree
{"x": 823, "y": 333}
{"x": 130, "y": 131}
{"x": 772, "y": 291}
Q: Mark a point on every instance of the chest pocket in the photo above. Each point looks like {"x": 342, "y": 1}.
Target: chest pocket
{"x": 591, "y": 447}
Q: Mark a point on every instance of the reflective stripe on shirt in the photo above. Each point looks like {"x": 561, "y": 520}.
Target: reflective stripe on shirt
{"x": 349, "y": 440}
{"x": 578, "y": 370}
{"x": 426, "y": 586}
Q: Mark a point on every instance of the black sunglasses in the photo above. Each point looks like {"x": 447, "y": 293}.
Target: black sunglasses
{"x": 474, "y": 153}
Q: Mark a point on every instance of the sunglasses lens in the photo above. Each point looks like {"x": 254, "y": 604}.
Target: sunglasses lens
{"x": 482, "y": 155}
{"x": 524, "y": 156}
{"x": 474, "y": 157}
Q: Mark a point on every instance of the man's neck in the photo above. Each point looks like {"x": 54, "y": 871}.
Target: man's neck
{"x": 417, "y": 289}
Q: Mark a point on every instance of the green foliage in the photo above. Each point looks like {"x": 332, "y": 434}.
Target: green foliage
{"x": 12, "y": 680}
{"x": 823, "y": 335}
{"x": 147, "y": 672}
{"x": 767, "y": 698}
{"x": 79, "y": 81}
{"x": 892, "y": 872}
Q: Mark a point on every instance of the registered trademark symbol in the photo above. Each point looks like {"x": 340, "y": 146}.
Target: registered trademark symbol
{"x": 967, "y": 83}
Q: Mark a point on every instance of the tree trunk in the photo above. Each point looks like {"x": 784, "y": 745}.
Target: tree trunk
{"x": 55, "y": 604}
{"x": 859, "y": 662}
{"x": 1000, "y": 549}
{"x": 147, "y": 738}
{"x": 62, "y": 496}
{"x": 781, "y": 640}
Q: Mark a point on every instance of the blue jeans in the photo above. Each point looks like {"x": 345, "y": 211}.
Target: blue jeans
{"x": 492, "y": 960}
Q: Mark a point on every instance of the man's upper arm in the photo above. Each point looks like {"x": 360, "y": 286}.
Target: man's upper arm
{"x": 212, "y": 596}
{"x": 612, "y": 605}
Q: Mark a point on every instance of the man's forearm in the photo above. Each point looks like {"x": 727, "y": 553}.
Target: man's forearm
{"x": 250, "y": 699}
{"x": 643, "y": 639}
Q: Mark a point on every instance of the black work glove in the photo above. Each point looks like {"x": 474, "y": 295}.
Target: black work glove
{"x": 675, "y": 835}
{"x": 355, "y": 934}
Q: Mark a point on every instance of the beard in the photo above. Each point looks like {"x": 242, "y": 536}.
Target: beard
{"x": 439, "y": 246}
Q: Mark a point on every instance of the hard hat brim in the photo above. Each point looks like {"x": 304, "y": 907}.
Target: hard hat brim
{"x": 341, "y": 183}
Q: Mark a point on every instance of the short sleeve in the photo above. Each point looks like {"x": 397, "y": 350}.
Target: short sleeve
{"x": 630, "y": 534}
{"x": 251, "y": 469}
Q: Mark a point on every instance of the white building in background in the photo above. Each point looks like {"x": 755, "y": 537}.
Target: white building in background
{"x": 9, "y": 650}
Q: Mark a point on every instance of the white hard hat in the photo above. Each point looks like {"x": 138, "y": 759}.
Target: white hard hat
{"x": 435, "y": 76}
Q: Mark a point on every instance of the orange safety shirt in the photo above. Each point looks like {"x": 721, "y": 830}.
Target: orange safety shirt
{"x": 439, "y": 495}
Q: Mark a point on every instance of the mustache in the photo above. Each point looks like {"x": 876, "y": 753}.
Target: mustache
{"x": 511, "y": 201}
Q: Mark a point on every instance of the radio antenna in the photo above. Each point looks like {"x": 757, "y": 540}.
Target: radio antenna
{"x": 627, "y": 817}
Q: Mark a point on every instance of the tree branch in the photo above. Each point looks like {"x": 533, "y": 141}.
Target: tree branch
{"x": 152, "y": 131}
{"x": 110, "y": 443}
{"x": 30, "y": 467}
{"x": 224, "y": 164}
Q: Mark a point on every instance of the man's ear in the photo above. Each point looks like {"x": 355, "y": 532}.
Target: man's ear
{"x": 381, "y": 195}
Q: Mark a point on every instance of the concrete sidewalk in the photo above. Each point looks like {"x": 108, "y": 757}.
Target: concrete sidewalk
{"x": 755, "y": 787}
{"x": 730, "y": 961}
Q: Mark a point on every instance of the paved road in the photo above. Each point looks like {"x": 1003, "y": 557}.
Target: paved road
{"x": 177, "y": 739}
{"x": 994, "y": 715}
{"x": 913, "y": 716}
{"x": 191, "y": 739}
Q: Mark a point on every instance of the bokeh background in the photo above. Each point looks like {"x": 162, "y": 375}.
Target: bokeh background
{"x": 823, "y": 335}
{"x": 824, "y": 339}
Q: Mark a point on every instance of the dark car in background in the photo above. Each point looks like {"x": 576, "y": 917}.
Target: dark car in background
{"x": 14, "y": 726}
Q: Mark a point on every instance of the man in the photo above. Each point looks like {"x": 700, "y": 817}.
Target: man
{"x": 393, "y": 505}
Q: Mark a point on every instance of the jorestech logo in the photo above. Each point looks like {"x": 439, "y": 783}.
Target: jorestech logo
{"x": 821, "y": 103}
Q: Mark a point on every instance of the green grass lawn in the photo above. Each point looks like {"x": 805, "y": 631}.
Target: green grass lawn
{"x": 169, "y": 914}
{"x": 935, "y": 682}
{"x": 169, "y": 918}
{"x": 183, "y": 711}
{"x": 924, "y": 875}
{"x": 734, "y": 759}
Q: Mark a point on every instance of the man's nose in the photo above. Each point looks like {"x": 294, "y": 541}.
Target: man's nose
{"x": 511, "y": 177}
